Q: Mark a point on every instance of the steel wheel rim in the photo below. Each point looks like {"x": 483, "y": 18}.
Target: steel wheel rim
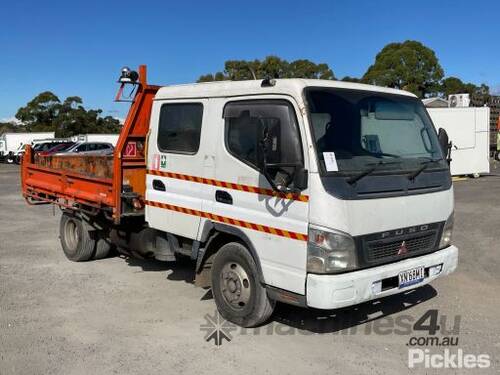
{"x": 71, "y": 234}
{"x": 235, "y": 285}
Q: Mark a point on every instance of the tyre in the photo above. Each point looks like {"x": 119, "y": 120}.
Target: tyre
{"x": 76, "y": 240}
{"x": 238, "y": 293}
{"x": 103, "y": 246}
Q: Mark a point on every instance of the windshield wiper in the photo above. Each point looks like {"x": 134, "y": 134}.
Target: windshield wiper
{"x": 359, "y": 176}
{"x": 423, "y": 167}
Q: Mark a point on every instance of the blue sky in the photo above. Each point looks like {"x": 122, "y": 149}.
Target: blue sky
{"x": 78, "y": 47}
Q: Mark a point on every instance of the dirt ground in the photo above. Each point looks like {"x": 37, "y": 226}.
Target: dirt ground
{"x": 129, "y": 316}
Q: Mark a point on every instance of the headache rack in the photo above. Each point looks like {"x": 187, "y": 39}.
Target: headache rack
{"x": 111, "y": 185}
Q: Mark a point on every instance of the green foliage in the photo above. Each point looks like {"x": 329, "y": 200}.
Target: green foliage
{"x": 39, "y": 114}
{"x": 271, "y": 66}
{"x": 308, "y": 69}
{"x": 46, "y": 113}
{"x": 351, "y": 79}
{"x": 454, "y": 85}
{"x": 409, "y": 66}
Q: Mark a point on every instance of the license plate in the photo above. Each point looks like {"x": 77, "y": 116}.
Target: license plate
{"x": 411, "y": 277}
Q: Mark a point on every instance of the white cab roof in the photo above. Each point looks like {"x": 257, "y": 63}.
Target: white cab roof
{"x": 293, "y": 86}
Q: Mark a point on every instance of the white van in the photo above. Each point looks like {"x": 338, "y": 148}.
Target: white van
{"x": 316, "y": 193}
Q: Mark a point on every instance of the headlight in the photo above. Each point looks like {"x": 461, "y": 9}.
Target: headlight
{"x": 447, "y": 233}
{"x": 330, "y": 251}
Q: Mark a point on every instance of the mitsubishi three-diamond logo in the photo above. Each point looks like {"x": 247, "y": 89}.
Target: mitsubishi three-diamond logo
{"x": 402, "y": 250}
{"x": 217, "y": 328}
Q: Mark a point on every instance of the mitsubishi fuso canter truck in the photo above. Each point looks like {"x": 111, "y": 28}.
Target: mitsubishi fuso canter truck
{"x": 316, "y": 193}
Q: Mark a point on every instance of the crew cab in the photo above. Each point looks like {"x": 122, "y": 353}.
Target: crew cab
{"x": 316, "y": 193}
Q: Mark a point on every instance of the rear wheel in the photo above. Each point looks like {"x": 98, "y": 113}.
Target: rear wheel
{"x": 75, "y": 238}
{"x": 103, "y": 246}
{"x": 238, "y": 293}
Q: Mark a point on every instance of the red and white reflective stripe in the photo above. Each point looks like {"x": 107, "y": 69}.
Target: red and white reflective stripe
{"x": 230, "y": 185}
{"x": 231, "y": 221}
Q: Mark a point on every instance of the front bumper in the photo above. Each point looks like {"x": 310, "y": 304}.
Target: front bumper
{"x": 335, "y": 291}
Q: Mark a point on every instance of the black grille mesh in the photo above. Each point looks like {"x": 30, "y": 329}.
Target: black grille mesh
{"x": 377, "y": 251}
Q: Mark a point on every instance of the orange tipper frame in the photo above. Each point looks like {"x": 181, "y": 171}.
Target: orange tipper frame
{"x": 89, "y": 183}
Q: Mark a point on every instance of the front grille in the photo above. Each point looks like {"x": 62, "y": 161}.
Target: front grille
{"x": 377, "y": 251}
{"x": 383, "y": 247}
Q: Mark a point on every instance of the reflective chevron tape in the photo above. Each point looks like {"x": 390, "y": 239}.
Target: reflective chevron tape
{"x": 230, "y": 185}
{"x": 228, "y": 220}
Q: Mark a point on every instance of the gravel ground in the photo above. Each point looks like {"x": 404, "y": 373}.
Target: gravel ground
{"x": 130, "y": 316}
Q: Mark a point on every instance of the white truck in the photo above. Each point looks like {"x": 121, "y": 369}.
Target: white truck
{"x": 13, "y": 143}
{"x": 469, "y": 131}
{"x": 316, "y": 193}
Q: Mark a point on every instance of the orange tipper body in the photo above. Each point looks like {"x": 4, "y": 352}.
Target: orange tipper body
{"x": 93, "y": 182}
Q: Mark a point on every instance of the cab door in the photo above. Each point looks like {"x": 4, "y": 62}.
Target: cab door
{"x": 275, "y": 223}
{"x": 176, "y": 153}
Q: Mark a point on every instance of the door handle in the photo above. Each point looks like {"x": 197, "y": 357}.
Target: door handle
{"x": 158, "y": 185}
{"x": 223, "y": 197}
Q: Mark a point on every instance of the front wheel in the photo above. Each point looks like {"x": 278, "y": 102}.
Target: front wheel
{"x": 238, "y": 293}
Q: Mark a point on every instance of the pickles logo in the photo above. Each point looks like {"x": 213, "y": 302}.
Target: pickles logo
{"x": 433, "y": 351}
{"x": 448, "y": 359}
{"x": 217, "y": 328}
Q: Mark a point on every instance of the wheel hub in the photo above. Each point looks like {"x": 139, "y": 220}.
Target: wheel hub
{"x": 72, "y": 234}
{"x": 235, "y": 285}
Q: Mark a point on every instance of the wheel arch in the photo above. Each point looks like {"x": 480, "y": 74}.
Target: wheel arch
{"x": 216, "y": 235}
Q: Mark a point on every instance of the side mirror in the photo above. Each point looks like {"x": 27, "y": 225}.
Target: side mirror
{"x": 443, "y": 140}
{"x": 445, "y": 144}
{"x": 300, "y": 178}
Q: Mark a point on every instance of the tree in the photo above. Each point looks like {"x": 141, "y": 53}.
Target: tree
{"x": 307, "y": 69}
{"x": 409, "y": 66}
{"x": 10, "y": 127}
{"x": 271, "y": 66}
{"x": 39, "y": 113}
{"x": 454, "y": 85}
{"x": 351, "y": 79}
{"x": 46, "y": 113}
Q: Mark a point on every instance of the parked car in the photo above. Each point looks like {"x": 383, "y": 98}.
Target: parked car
{"x": 91, "y": 148}
{"x": 57, "y": 148}
{"x": 46, "y": 144}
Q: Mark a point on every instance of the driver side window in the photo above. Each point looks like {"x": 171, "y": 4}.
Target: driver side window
{"x": 247, "y": 122}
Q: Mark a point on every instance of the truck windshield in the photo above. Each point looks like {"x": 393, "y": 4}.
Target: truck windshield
{"x": 355, "y": 129}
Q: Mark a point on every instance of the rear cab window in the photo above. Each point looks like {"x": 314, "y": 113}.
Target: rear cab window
{"x": 180, "y": 127}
